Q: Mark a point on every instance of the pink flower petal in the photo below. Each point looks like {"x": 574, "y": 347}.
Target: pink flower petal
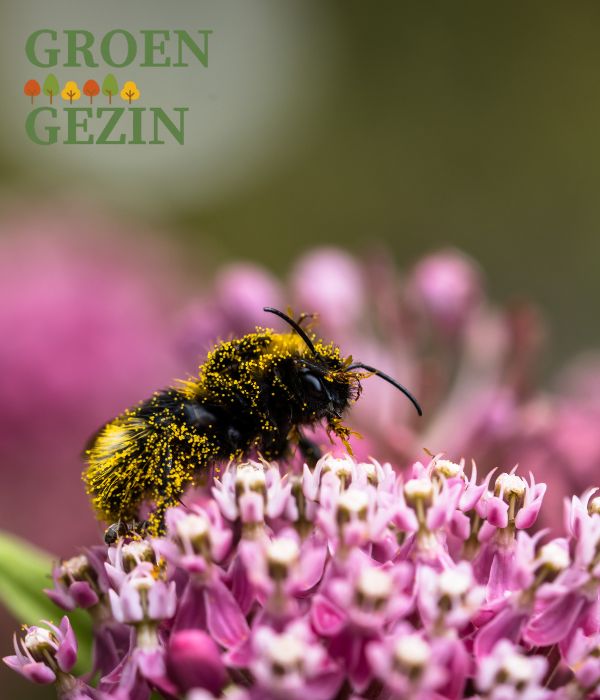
{"x": 556, "y": 621}
{"x": 225, "y": 621}
{"x": 326, "y": 618}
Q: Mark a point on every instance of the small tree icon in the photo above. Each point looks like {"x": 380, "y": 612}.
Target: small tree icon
{"x": 91, "y": 89}
{"x": 110, "y": 87}
{"x": 70, "y": 91}
{"x": 130, "y": 91}
{"x": 51, "y": 86}
{"x": 32, "y": 89}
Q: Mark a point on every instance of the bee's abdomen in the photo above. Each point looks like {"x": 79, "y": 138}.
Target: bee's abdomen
{"x": 150, "y": 453}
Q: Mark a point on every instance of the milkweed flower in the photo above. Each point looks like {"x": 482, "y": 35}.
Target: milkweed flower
{"x": 424, "y": 583}
{"x": 46, "y": 655}
{"x": 79, "y": 582}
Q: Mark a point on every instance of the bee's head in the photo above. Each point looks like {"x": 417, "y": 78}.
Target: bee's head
{"x": 329, "y": 382}
{"x": 326, "y": 388}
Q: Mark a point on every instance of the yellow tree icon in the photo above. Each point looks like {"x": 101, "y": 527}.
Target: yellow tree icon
{"x": 70, "y": 91}
{"x": 130, "y": 91}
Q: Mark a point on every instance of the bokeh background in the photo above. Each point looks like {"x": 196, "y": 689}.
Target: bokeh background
{"x": 388, "y": 131}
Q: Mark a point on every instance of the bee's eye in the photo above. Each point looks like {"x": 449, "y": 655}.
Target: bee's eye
{"x": 312, "y": 384}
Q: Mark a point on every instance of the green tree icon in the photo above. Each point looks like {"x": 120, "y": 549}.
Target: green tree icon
{"x": 51, "y": 86}
{"x": 110, "y": 87}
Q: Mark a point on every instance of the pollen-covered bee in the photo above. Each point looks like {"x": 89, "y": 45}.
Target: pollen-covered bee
{"x": 253, "y": 394}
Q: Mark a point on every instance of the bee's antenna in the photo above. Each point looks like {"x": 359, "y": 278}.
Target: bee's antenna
{"x": 393, "y": 382}
{"x": 294, "y": 325}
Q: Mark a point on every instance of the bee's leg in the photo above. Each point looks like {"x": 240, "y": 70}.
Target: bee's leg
{"x": 311, "y": 452}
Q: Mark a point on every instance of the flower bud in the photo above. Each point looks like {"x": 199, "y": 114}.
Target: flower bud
{"x": 448, "y": 287}
{"x": 193, "y": 661}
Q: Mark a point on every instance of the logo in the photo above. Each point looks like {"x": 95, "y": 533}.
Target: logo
{"x": 108, "y": 116}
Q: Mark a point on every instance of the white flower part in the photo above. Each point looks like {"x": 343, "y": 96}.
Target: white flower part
{"x": 412, "y": 651}
{"x": 250, "y": 476}
{"x": 519, "y": 669}
{"x": 142, "y": 583}
{"x": 353, "y": 501}
{"x": 369, "y": 471}
{"x": 134, "y": 553}
{"x": 138, "y": 550}
{"x": 554, "y": 556}
{"x": 286, "y": 650}
{"x": 418, "y": 488}
{"x": 340, "y": 466}
{"x": 506, "y": 666}
{"x": 510, "y": 485}
{"x": 284, "y": 551}
{"x": 447, "y": 468}
{"x": 374, "y": 583}
{"x": 454, "y": 582}
{"x": 75, "y": 567}
{"x": 193, "y": 526}
{"x": 285, "y": 658}
{"x": 38, "y": 639}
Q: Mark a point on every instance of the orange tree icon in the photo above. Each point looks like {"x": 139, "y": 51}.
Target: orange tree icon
{"x": 32, "y": 89}
{"x": 91, "y": 89}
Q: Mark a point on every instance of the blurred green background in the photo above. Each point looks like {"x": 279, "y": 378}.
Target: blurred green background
{"x": 403, "y": 126}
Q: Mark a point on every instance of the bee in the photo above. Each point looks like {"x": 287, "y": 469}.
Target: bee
{"x": 253, "y": 395}
{"x": 121, "y": 529}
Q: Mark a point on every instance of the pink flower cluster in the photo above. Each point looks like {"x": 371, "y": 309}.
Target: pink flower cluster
{"x": 347, "y": 581}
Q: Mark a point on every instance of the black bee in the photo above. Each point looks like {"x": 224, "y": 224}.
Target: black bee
{"x": 121, "y": 529}
{"x": 252, "y": 395}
